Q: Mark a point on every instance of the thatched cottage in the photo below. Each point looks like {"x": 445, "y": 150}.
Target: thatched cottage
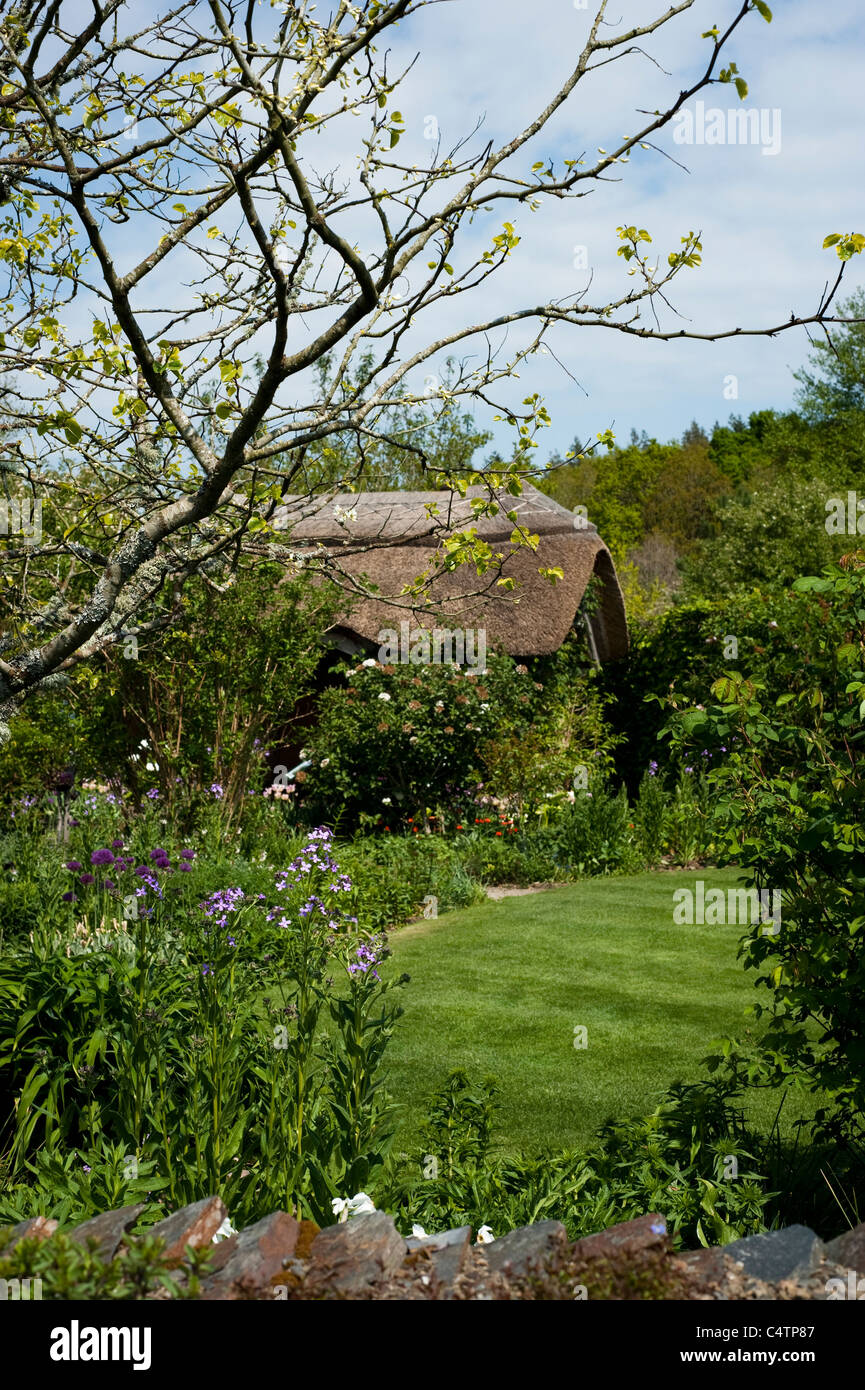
{"x": 382, "y": 541}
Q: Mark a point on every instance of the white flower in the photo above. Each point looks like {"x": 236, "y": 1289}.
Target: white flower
{"x": 225, "y": 1230}
{"x": 384, "y": 695}
{"x": 370, "y": 661}
{"x": 386, "y": 801}
{"x": 485, "y": 1236}
{"x": 418, "y": 1232}
{"x": 358, "y": 1205}
{"x": 325, "y": 761}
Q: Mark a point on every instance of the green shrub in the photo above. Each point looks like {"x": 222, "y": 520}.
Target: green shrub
{"x": 789, "y": 805}
{"x": 70, "y": 1271}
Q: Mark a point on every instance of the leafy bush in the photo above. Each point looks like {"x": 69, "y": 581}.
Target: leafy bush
{"x": 790, "y": 810}
{"x": 678, "y": 657}
{"x": 396, "y": 748}
{"x": 70, "y": 1271}
{"x": 194, "y": 709}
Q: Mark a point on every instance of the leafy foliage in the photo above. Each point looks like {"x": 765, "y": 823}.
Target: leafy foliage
{"x": 789, "y": 809}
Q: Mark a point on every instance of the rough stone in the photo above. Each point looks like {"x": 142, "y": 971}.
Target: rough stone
{"x": 34, "y": 1228}
{"x": 351, "y": 1256}
{"x": 195, "y": 1225}
{"x": 447, "y": 1252}
{"x": 626, "y": 1239}
{"x": 779, "y": 1254}
{"x": 520, "y": 1250}
{"x": 108, "y": 1230}
{"x": 704, "y": 1268}
{"x": 249, "y": 1263}
{"x": 849, "y": 1249}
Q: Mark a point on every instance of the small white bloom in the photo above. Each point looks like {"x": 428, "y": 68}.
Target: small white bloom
{"x": 485, "y": 1236}
{"x": 370, "y": 661}
{"x": 358, "y": 1205}
{"x": 386, "y": 801}
{"x": 384, "y": 695}
{"x": 225, "y": 1230}
{"x": 418, "y": 1231}
{"x": 325, "y": 761}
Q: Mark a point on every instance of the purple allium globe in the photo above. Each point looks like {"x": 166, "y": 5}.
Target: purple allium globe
{"x": 102, "y": 856}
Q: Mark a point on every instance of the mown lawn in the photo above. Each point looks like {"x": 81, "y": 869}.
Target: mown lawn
{"x": 498, "y": 989}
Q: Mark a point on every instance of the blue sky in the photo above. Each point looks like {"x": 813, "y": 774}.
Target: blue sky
{"x": 763, "y": 216}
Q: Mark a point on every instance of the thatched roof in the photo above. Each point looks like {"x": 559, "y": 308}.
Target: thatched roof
{"x": 389, "y": 538}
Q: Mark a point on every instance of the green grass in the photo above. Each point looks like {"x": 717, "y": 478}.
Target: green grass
{"x": 499, "y": 989}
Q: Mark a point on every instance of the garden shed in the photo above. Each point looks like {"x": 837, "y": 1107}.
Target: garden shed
{"x": 382, "y": 541}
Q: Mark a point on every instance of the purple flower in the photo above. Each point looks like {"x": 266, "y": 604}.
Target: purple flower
{"x": 207, "y": 969}
{"x": 220, "y": 903}
{"x": 116, "y": 844}
{"x": 216, "y": 790}
{"x": 74, "y": 865}
{"x": 69, "y": 898}
{"x": 108, "y": 883}
{"x": 185, "y": 868}
{"x": 86, "y": 879}
{"x": 153, "y": 794}
{"x": 102, "y": 856}
{"x": 653, "y": 768}
{"x": 187, "y": 854}
{"x": 365, "y": 961}
{"x": 158, "y": 853}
